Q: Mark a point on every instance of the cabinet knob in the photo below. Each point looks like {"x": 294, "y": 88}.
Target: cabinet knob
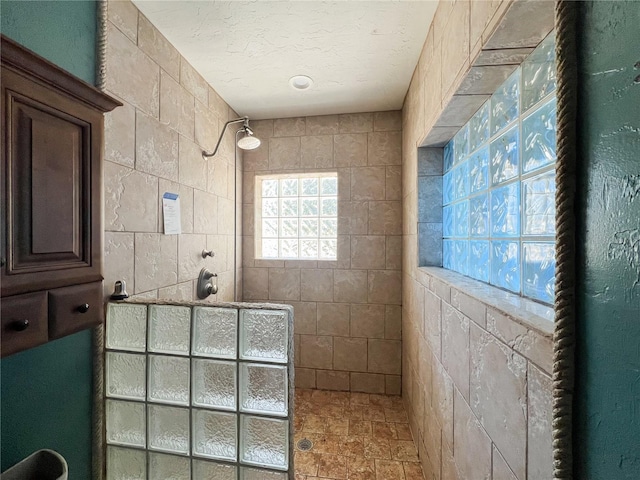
{"x": 83, "y": 308}
{"x": 20, "y": 325}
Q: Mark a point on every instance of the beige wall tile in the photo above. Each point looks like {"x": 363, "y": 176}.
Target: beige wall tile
{"x": 392, "y": 384}
{"x": 193, "y": 82}
{"x": 385, "y": 218}
{"x": 177, "y": 106}
{"x": 433, "y": 87}
{"x": 131, "y": 199}
{"x": 384, "y": 148}
{"x": 368, "y": 251}
{"x": 218, "y": 173}
{"x": 220, "y": 108}
{"x": 432, "y": 439}
{"x": 289, "y": 127}
{"x": 393, "y": 322}
{"x": 316, "y": 351}
{"x": 316, "y": 285}
{"x": 368, "y": 183}
{"x": 350, "y": 149}
{"x": 180, "y": 292}
{"x": 322, "y": 125}
{"x": 156, "y": 261}
{"x": 356, "y": 123}
{"x": 344, "y": 184}
{"x": 385, "y": 286}
{"x": 499, "y": 396}
{"x": 333, "y": 319}
{"x": 350, "y": 354}
{"x": 124, "y": 15}
{"x": 432, "y": 322}
{"x": 353, "y": 218}
{"x": 193, "y": 168}
{"x": 367, "y": 382}
{"x": 305, "y": 378}
{"x": 350, "y": 286}
{"x": 118, "y": 261}
{"x": 387, "y": 121}
{"x": 154, "y": 44}
{"x": 539, "y": 431}
{"x": 205, "y": 127}
{"x": 393, "y": 253}
{"x": 469, "y": 306}
{"x": 284, "y": 153}
{"x": 393, "y": 183}
{"x": 205, "y": 207}
{"x": 262, "y": 128}
{"x": 257, "y": 159}
{"x": 455, "y": 347}
{"x": 367, "y": 321}
{"x": 472, "y": 447}
{"x": 284, "y": 284}
{"x": 190, "y": 260}
{"x": 316, "y": 151}
{"x": 331, "y": 380}
{"x": 131, "y": 74}
{"x": 304, "y": 317}
{"x": 442, "y": 401}
{"x": 455, "y": 45}
{"x": 501, "y": 470}
{"x": 296, "y": 351}
{"x": 119, "y": 135}
{"x": 156, "y": 148}
{"x": 225, "y": 215}
{"x": 531, "y": 344}
{"x": 256, "y": 283}
{"x": 384, "y": 356}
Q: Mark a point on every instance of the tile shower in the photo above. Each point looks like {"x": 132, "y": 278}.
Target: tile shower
{"x": 198, "y": 392}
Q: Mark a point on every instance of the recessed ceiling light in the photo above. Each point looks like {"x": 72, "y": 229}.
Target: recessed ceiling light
{"x": 301, "y": 82}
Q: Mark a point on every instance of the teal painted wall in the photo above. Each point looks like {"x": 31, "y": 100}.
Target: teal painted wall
{"x": 607, "y": 406}
{"x": 47, "y": 401}
{"x": 63, "y": 32}
{"x": 46, "y": 392}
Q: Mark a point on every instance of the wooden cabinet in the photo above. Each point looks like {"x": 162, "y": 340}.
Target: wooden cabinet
{"x": 52, "y": 138}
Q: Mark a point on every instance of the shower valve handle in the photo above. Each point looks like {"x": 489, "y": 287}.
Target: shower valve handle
{"x": 206, "y": 286}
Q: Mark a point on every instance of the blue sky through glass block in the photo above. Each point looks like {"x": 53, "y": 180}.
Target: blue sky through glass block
{"x": 539, "y": 267}
{"x": 505, "y": 265}
{"x": 479, "y": 265}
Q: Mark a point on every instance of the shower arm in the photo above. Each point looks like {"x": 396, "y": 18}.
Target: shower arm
{"x": 245, "y": 120}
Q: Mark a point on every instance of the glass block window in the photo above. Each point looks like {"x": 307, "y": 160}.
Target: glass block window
{"x": 499, "y": 184}
{"x": 297, "y": 216}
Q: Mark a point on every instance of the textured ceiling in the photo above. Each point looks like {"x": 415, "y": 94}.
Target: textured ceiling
{"x": 360, "y": 54}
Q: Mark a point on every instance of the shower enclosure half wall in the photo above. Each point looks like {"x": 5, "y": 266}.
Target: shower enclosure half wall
{"x": 195, "y": 391}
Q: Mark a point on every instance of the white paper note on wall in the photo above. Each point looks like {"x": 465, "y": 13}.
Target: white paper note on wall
{"x": 171, "y": 213}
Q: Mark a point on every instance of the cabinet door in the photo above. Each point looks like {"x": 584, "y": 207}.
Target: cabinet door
{"x": 52, "y": 232}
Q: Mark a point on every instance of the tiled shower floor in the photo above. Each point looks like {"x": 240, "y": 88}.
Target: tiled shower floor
{"x": 355, "y": 436}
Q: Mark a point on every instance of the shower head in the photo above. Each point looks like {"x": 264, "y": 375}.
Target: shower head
{"x": 247, "y": 142}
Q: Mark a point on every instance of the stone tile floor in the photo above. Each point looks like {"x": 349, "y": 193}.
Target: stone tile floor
{"x": 356, "y": 436}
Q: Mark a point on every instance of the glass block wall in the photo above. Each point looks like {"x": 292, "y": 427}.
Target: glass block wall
{"x": 198, "y": 392}
{"x": 499, "y": 184}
